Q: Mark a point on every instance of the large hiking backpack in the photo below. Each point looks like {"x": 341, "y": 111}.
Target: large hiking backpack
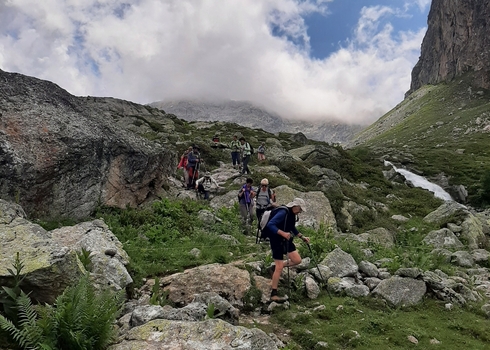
{"x": 262, "y": 233}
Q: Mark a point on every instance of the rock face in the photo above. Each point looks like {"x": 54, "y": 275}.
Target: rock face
{"x": 457, "y": 41}
{"x": 61, "y": 155}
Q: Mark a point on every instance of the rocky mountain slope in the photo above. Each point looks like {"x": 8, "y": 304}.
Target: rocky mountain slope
{"x": 441, "y": 128}
{"x": 252, "y": 116}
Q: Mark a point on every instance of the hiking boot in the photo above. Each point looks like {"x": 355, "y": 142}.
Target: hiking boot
{"x": 279, "y": 299}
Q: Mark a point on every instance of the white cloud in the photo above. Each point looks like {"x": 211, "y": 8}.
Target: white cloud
{"x": 153, "y": 50}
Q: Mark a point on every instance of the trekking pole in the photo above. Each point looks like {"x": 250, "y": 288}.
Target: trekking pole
{"x": 248, "y": 220}
{"x": 314, "y": 260}
{"x": 194, "y": 175}
{"x": 287, "y": 262}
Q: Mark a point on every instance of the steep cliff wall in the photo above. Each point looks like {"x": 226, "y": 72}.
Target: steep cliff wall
{"x": 62, "y": 155}
{"x": 457, "y": 41}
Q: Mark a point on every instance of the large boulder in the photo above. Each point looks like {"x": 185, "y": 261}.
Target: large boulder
{"x": 472, "y": 230}
{"x": 51, "y": 260}
{"x": 447, "y": 212}
{"x": 63, "y": 155}
{"x": 228, "y": 281}
{"x": 443, "y": 238}
{"x": 399, "y": 291}
{"x": 108, "y": 259}
{"x": 318, "y": 209}
{"x": 340, "y": 263}
{"x": 48, "y": 266}
{"x": 204, "y": 335}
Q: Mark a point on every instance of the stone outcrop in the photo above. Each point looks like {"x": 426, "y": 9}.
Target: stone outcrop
{"x": 181, "y": 287}
{"x": 49, "y": 267}
{"x": 204, "y": 335}
{"x": 62, "y": 155}
{"x": 457, "y": 41}
{"x": 50, "y": 258}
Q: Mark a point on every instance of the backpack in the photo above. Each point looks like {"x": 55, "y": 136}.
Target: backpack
{"x": 252, "y": 151}
{"x": 262, "y": 234}
{"x": 238, "y": 194}
{"x": 269, "y": 194}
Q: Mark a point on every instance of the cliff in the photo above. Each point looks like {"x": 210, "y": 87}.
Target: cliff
{"x": 457, "y": 41}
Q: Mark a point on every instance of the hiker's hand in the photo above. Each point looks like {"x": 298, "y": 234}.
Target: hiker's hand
{"x": 306, "y": 239}
{"x": 287, "y": 235}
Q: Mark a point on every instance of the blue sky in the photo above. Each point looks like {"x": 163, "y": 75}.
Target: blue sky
{"x": 330, "y": 31}
{"x": 347, "y": 60}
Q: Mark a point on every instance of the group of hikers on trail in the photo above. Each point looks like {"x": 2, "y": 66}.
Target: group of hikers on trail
{"x": 190, "y": 162}
{"x": 277, "y": 224}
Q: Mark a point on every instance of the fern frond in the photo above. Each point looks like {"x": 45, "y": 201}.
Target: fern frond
{"x": 8, "y": 326}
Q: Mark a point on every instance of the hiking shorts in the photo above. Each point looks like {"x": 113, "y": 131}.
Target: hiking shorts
{"x": 279, "y": 246}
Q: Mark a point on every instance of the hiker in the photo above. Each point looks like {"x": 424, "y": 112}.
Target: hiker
{"x": 235, "y": 152}
{"x": 246, "y": 153}
{"x": 265, "y": 199}
{"x": 193, "y": 161}
{"x": 205, "y": 184}
{"x": 245, "y": 200}
{"x": 183, "y": 165}
{"x": 261, "y": 152}
{"x": 282, "y": 229}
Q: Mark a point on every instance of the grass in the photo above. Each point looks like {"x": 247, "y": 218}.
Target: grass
{"x": 159, "y": 239}
{"x": 367, "y": 323}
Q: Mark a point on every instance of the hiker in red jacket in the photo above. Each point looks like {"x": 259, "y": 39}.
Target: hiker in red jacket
{"x": 183, "y": 165}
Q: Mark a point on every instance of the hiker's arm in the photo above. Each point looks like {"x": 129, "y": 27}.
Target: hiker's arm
{"x": 277, "y": 220}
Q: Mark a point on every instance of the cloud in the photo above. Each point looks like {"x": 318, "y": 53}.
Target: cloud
{"x": 149, "y": 50}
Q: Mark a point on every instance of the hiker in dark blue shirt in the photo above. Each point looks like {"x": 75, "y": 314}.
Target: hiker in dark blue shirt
{"x": 282, "y": 228}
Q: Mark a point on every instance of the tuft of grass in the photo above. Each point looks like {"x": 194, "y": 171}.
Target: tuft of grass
{"x": 367, "y": 323}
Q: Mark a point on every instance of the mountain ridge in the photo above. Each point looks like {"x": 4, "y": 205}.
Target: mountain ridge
{"x": 250, "y": 115}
